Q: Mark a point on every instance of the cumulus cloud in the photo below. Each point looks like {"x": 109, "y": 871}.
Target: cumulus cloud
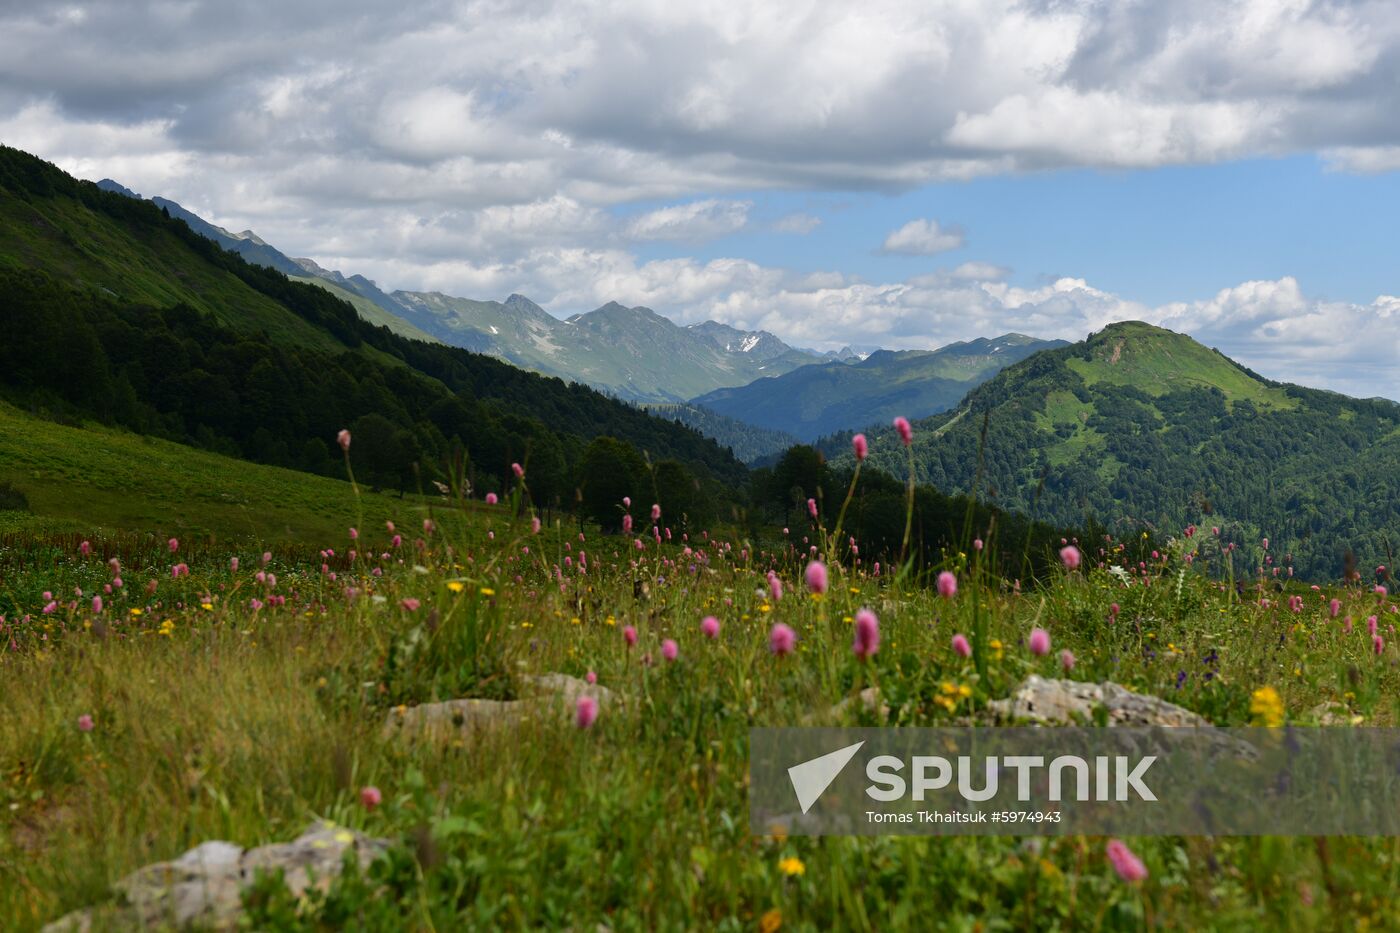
{"x": 922, "y": 238}
{"x": 698, "y": 220}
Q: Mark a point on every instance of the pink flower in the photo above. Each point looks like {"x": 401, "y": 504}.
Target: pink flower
{"x": 781, "y": 640}
{"x": 354, "y": 534}
{"x": 775, "y": 587}
{"x": 85, "y": 723}
{"x": 962, "y": 646}
{"x": 1067, "y": 659}
{"x": 410, "y": 603}
{"x": 1040, "y": 641}
{"x": 1378, "y": 643}
{"x": 867, "y": 640}
{"x": 370, "y": 797}
{"x": 343, "y": 439}
{"x": 906, "y": 433}
{"x": 1128, "y": 866}
{"x": 669, "y": 649}
{"x": 812, "y": 507}
{"x": 233, "y": 564}
{"x": 1334, "y": 607}
{"x": 627, "y": 524}
{"x": 586, "y": 712}
{"x": 491, "y": 498}
{"x": 1069, "y": 556}
{"x": 656, "y": 513}
{"x": 710, "y": 626}
{"x": 947, "y": 584}
{"x": 860, "y": 446}
{"x": 977, "y": 544}
{"x": 816, "y": 577}
{"x": 518, "y": 470}
{"x": 85, "y": 548}
{"x": 629, "y": 635}
{"x": 174, "y": 544}
{"x": 626, "y": 502}
{"x": 97, "y": 605}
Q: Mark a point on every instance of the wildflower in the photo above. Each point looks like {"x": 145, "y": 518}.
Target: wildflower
{"x": 812, "y": 507}
{"x": 1334, "y": 607}
{"x": 535, "y": 525}
{"x": 710, "y": 626}
{"x": 906, "y": 433}
{"x": 781, "y": 639}
{"x": 456, "y": 586}
{"x": 97, "y": 605}
{"x": 233, "y": 564}
{"x": 1128, "y": 866}
{"x": 343, "y": 439}
{"x": 1069, "y": 556}
{"x": 1067, "y": 659}
{"x": 977, "y": 544}
{"x": 85, "y": 548}
{"x": 771, "y": 921}
{"x": 1266, "y": 706}
{"x": 491, "y": 498}
{"x": 174, "y": 544}
{"x": 370, "y": 797}
{"x": 85, "y": 723}
{"x": 947, "y": 584}
{"x": 591, "y": 677}
{"x": 816, "y": 577}
{"x": 518, "y": 470}
{"x": 656, "y": 513}
{"x": 1377, "y": 644}
{"x": 410, "y": 603}
{"x": 669, "y": 649}
{"x": 627, "y": 524}
{"x": 860, "y": 446}
{"x": 629, "y": 635}
{"x": 867, "y": 640}
{"x": 792, "y": 867}
{"x": 775, "y": 586}
{"x": 586, "y": 712}
{"x": 961, "y": 646}
{"x": 1040, "y": 641}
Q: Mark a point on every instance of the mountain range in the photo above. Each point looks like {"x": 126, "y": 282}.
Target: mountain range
{"x": 1141, "y": 427}
{"x": 632, "y": 353}
{"x": 818, "y": 400}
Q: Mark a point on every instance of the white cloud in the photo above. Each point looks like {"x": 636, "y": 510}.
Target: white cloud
{"x": 698, "y": 220}
{"x": 798, "y": 223}
{"x": 922, "y": 238}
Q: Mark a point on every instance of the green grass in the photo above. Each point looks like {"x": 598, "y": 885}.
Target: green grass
{"x": 94, "y": 478}
{"x": 88, "y": 249}
{"x": 368, "y": 310}
{"x": 1157, "y": 361}
{"x": 215, "y": 720}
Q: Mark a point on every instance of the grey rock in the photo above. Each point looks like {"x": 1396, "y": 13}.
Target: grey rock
{"x": 1068, "y": 702}
{"x": 545, "y": 695}
{"x": 205, "y": 885}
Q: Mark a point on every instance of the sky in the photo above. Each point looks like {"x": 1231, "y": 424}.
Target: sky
{"x": 900, "y": 174}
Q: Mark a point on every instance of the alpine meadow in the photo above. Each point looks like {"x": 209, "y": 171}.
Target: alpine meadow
{"x": 452, "y": 455}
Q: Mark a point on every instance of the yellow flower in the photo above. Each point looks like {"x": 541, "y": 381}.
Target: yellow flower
{"x": 136, "y": 612}
{"x": 209, "y": 606}
{"x": 771, "y": 922}
{"x": 456, "y": 586}
{"x": 487, "y": 591}
{"x": 792, "y": 866}
{"x": 1266, "y": 706}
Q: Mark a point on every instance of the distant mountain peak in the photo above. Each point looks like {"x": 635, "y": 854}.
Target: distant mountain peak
{"x": 108, "y": 184}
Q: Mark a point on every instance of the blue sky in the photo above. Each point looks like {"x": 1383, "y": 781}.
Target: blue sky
{"x": 1226, "y": 168}
{"x": 1158, "y": 235}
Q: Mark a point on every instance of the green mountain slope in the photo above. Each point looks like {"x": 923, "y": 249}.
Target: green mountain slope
{"x": 1148, "y": 428}
{"x": 114, "y": 310}
{"x": 750, "y": 444}
{"x": 367, "y": 309}
{"x": 819, "y": 400}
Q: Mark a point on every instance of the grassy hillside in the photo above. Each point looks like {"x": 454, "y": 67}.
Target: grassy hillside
{"x": 750, "y": 444}
{"x": 1155, "y": 430}
{"x": 819, "y": 400}
{"x": 115, "y": 311}
{"x": 92, "y": 479}
{"x": 367, "y": 309}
